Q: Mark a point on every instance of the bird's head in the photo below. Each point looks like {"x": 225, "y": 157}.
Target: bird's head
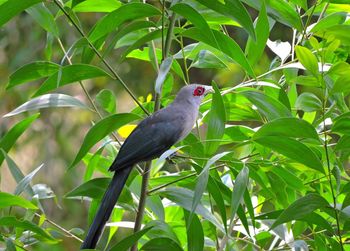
{"x": 193, "y": 93}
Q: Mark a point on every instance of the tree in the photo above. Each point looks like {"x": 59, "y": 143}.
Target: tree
{"x": 266, "y": 170}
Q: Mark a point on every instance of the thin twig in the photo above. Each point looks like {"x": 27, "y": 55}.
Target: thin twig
{"x": 61, "y": 228}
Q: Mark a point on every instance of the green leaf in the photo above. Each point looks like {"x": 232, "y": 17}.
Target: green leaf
{"x": 223, "y": 43}
{"x": 301, "y": 208}
{"x": 342, "y": 125}
{"x": 254, "y": 49}
{"x": 163, "y": 72}
{"x": 25, "y": 182}
{"x": 100, "y": 130}
{"x": 9, "y": 139}
{"x": 342, "y": 84}
{"x": 12, "y": 8}
{"x": 241, "y": 183}
{"x": 329, "y": 21}
{"x": 216, "y": 122}
{"x": 308, "y": 102}
{"x": 267, "y": 106}
{"x": 307, "y": 59}
{"x": 94, "y": 6}
{"x": 292, "y": 149}
{"x": 48, "y": 101}
{"x": 106, "y": 99}
{"x": 9, "y": 200}
{"x": 282, "y": 11}
{"x": 233, "y": 9}
{"x": 159, "y": 244}
{"x": 202, "y": 182}
{"x": 129, "y": 241}
{"x": 93, "y": 189}
{"x": 16, "y": 172}
{"x": 32, "y": 71}
{"x": 125, "y": 13}
{"x": 196, "y": 19}
{"x": 287, "y": 127}
{"x": 195, "y": 234}
{"x": 43, "y": 16}
{"x": 24, "y": 224}
{"x": 184, "y": 197}
{"x": 69, "y": 74}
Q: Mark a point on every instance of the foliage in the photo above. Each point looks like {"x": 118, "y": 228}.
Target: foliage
{"x": 266, "y": 166}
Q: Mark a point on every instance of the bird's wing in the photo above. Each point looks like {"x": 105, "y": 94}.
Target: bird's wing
{"x": 149, "y": 140}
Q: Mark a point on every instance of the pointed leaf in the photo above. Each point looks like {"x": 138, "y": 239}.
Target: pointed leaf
{"x": 93, "y": 189}
{"x": 106, "y": 100}
{"x": 9, "y": 200}
{"x": 24, "y": 224}
{"x": 163, "y": 72}
{"x": 24, "y": 183}
{"x": 292, "y": 149}
{"x": 308, "y": 102}
{"x": 9, "y": 139}
{"x": 216, "y": 122}
{"x": 125, "y": 13}
{"x": 100, "y": 130}
{"x": 241, "y": 183}
{"x": 223, "y": 43}
{"x": 11, "y": 8}
{"x": 32, "y": 71}
{"x": 288, "y": 127}
{"x": 307, "y": 59}
{"x": 301, "y": 208}
{"x": 129, "y": 241}
{"x": 195, "y": 234}
{"x": 48, "y": 101}
{"x": 44, "y": 17}
{"x": 267, "y": 106}
{"x": 202, "y": 182}
{"x": 69, "y": 74}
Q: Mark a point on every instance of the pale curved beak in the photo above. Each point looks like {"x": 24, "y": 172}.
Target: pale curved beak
{"x": 208, "y": 89}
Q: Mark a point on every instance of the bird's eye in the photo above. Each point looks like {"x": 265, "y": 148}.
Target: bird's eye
{"x": 199, "y": 91}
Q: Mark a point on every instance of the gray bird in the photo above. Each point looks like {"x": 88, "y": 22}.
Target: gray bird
{"x": 150, "y": 139}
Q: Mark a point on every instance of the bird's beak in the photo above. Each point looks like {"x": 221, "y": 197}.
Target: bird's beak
{"x": 208, "y": 89}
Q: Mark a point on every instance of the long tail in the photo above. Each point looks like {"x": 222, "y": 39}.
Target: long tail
{"x": 109, "y": 200}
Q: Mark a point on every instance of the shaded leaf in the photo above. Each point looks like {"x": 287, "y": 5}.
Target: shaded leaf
{"x": 241, "y": 183}
{"x": 308, "y": 102}
{"x": 24, "y": 224}
{"x": 100, "y": 130}
{"x": 129, "y": 241}
{"x": 288, "y": 127}
{"x": 195, "y": 234}
{"x": 160, "y": 243}
{"x": 267, "y": 106}
{"x": 301, "y": 208}
{"x": 25, "y": 182}
{"x": 93, "y": 189}
{"x": 44, "y": 17}
{"x": 106, "y": 100}
{"x": 163, "y": 72}
{"x": 216, "y": 122}
{"x": 292, "y": 149}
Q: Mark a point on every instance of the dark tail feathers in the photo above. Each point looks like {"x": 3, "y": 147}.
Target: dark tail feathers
{"x": 109, "y": 200}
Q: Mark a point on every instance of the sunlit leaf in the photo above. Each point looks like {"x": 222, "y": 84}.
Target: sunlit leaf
{"x": 9, "y": 139}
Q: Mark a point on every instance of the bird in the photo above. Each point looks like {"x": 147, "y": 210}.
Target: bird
{"x": 150, "y": 139}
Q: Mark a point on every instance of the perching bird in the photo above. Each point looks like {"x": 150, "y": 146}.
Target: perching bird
{"x": 152, "y": 137}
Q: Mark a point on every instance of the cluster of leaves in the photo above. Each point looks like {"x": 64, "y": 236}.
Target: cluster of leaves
{"x": 275, "y": 180}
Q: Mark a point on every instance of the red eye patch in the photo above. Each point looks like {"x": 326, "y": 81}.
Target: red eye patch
{"x": 199, "y": 91}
